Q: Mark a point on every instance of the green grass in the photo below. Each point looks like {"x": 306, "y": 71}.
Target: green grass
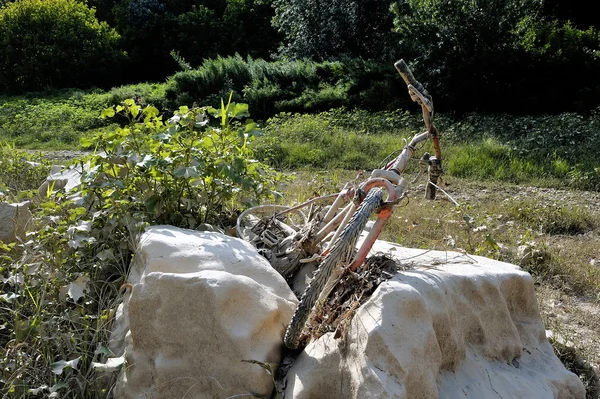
{"x": 552, "y": 151}
{"x": 553, "y": 218}
{"x": 560, "y": 231}
{"x": 57, "y": 120}
{"x": 358, "y": 139}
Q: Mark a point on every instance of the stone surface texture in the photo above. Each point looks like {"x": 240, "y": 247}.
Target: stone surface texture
{"x": 59, "y": 179}
{"x": 14, "y": 219}
{"x": 453, "y": 326}
{"x": 202, "y": 305}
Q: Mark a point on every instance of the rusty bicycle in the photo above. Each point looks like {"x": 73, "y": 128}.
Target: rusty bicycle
{"x": 320, "y": 235}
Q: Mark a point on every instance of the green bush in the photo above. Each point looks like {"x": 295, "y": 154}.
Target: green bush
{"x": 20, "y": 171}
{"x": 142, "y": 93}
{"x": 289, "y": 86}
{"x": 55, "y": 44}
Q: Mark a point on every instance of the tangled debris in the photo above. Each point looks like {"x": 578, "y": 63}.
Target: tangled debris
{"x": 335, "y": 314}
{"x": 352, "y": 290}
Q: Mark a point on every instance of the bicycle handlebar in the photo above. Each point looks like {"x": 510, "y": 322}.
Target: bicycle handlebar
{"x": 422, "y": 94}
{"x": 419, "y": 94}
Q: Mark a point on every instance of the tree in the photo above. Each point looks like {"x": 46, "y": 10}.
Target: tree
{"x": 194, "y": 29}
{"x": 55, "y": 44}
{"x": 496, "y": 55}
{"x": 334, "y": 29}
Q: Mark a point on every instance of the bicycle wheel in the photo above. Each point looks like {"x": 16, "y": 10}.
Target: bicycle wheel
{"x": 341, "y": 251}
{"x": 252, "y": 216}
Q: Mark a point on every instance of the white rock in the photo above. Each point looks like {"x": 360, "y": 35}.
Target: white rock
{"x": 14, "y": 220}
{"x": 59, "y": 179}
{"x": 455, "y": 326}
{"x": 202, "y": 303}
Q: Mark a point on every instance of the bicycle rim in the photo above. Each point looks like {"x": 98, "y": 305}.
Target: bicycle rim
{"x": 251, "y": 216}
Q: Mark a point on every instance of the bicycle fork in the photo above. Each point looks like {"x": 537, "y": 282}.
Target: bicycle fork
{"x": 384, "y": 211}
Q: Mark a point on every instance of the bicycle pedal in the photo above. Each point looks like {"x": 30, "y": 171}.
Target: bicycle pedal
{"x": 269, "y": 238}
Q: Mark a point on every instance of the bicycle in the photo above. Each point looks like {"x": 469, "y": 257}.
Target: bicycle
{"x": 312, "y": 235}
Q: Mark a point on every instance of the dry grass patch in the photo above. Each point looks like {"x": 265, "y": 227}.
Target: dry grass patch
{"x": 553, "y": 234}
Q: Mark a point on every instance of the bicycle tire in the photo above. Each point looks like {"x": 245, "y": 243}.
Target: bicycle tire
{"x": 340, "y": 251}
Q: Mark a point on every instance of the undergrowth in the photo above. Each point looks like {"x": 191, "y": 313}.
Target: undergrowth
{"x": 60, "y": 285}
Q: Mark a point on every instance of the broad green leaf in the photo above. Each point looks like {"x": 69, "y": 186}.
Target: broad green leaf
{"x": 251, "y": 129}
{"x": 10, "y": 297}
{"x": 147, "y": 161}
{"x": 215, "y": 113}
{"x": 87, "y": 142}
{"x": 201, "y": 120}
{"x": 239, "y": 111}
{"x": 207, "y": 142}
{"x": 103, "y": 350}
{"x": 112, "y": 364}
{"x": 39, "y": 390}
{"x": 107, "y": 113}
{"x": 186, "y": 171}
{"x": 58, "y": 386}
{"x": 150, "y": 112}
{"x": 77, "y": 287}
{"x": 151, "y": 203}
{"x": 135, "y": 110}
{"x": 59, "y": 366}
{"x": 106, "y": 254}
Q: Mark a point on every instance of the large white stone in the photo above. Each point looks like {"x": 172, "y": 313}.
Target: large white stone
{"x": 202, "y": 303}
{"x": 14, "y": 220}
{"x": 455, "y": 326}
{"x": 59, "y": 179}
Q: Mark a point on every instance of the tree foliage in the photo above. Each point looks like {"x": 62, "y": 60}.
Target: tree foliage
{"x": 54, "y": 43}
{"x": 331, "y": 29}
{"x": 499, "y": 55}
{"x": 193, "y": 29}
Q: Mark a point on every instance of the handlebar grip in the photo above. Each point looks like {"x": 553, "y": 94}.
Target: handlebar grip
{"x": 408, "y": 77}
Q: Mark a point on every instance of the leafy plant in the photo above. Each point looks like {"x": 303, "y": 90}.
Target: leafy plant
{"x": 20, "y": 171}
{"x": 288, "y": 86}
{"x": 60, "y": 286}
{"x": 185, "y": 172}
